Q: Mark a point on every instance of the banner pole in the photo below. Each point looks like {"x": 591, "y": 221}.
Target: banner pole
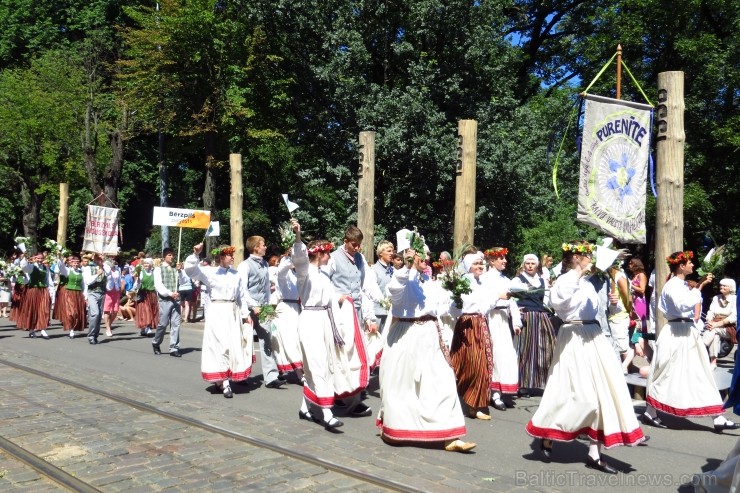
{"x": 179, "y": 243}
{"x": 619, "y": 71}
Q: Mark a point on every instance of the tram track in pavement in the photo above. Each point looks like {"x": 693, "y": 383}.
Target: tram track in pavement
{"x": 72, "y": 483}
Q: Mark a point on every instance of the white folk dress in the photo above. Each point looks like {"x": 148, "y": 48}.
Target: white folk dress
{"x": 681, "y": 381}
{"x": 505, "y": 377}
{"x": 285, "y": 342}
{"x": 328, "y": 372}
{"x": 418, "y": 394}
{"x": 228, "y": 345}
{"x": 586, "y": 393}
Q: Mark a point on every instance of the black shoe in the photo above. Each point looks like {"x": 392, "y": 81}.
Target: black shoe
{"x": 498, "y": 404}
{"x": 275, "y": 384}
{"x": 729, "y": 425}
{"x": 156, "y": 349}
{"x": 545, "y": 451}
{"x": 142, "y": 332}
{"x": 599, "y": 465}
{"x": 307, "y": 415}
{"x": 332, "y": 424}
{"x": 92, "y": 340}
{"x": 522, "y": 394}
{"x": 32, "y": 334}
{"x": 228, "y": 393}
{"x": 508, "y": 401}
{"x": 644, "y": 442}
{"x": 361, "y": 410}
{"x": 656, "y": 422}
{"x": 176, "y": 354}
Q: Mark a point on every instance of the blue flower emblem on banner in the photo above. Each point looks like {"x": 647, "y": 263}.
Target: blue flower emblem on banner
{"x": 621, "y": 176}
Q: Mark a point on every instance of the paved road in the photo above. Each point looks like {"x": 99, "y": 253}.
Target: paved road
{"x": 122, "y": 449}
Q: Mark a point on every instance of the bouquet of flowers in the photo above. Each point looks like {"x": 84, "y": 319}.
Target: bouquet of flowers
{"x": 287, "y": 236}
{"x": 385, "y": 303}
{"x": 454, "y": 281}
{"x": 21, "y": 242}
{"x": 714, "y": 262}
{"x": 267, "y": 314}
{"x": 55, "y": 250}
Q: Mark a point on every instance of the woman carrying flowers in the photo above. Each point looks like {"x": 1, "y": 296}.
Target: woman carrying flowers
{"x": 681, "y": 381}
{"x": 147, "y": 303}
{"x": 36, "y": 307}
{"x": 70, "y": 307}
{"x": 586, "y": 393}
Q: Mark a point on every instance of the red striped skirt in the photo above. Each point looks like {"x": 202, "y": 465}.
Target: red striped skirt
{"x": 472, "y": 359}
{"x": 15, "y": 301}
{"x": 72, "y": 309}
{"x": 35, "y": 309}
{"x": 57, "y": 312}
{"x": 147, "y": 310}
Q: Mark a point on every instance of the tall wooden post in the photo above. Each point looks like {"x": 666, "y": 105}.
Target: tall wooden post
{"x": 669, "y": 177}
{"x": 237, "y": 200}
{"x": 63, "y": 218}
{"x": 366, "y": 194}
{"x": 467, "y": 138}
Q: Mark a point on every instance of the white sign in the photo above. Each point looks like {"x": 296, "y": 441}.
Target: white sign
{"x": 101, "y": 230}
{"x": 181, "y": 218}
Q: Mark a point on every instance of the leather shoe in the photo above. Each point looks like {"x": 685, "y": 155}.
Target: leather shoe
{"x": 656, "y": 422}
{"x": 499, "y": 404}
{"x": 361, "y": 410}
{"x": 275, "y": 384}
{"x": 545, "y": 451}
{"x": 156, "y": 349}
{"x": 729, "y": 425}
{"x": 599, "y": 465}
{"x": 332, "y": 424}
{"x": 228, "y": 393}
{"x": 644, "y": 442}
{"x": 176, "y": 354}
{"x": 459, "y": 446}
{"x": 92, "y": 340}
{"x": 32, "y": 334}
{"x": 307, "y": 415}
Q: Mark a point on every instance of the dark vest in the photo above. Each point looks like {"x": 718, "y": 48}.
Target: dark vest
{"x": 532, "y": 302}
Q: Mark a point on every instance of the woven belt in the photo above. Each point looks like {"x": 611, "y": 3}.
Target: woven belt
{"x": 419, "y": 320}
{"x": 684, "y": 319}
{"x": 222, "y": 301}
{"x": 291, "y": 301}
{"x": 581, "y": 322}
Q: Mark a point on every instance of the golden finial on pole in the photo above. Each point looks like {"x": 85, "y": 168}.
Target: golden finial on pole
{"x": 619, "y": 71}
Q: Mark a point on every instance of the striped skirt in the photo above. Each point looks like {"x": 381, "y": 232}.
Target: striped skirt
{"x": 536, "y": 345}
{"x": 472, "y": 359}
{"x": 16, "y": 301}
{"x": 35, "y": 309}
{"x": 147, "y": 310}
{"x": 70, "y": 309}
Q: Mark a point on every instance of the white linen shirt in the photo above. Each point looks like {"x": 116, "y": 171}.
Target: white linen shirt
{"x": 574, "y": 298}
{"x": 677, "y": 300}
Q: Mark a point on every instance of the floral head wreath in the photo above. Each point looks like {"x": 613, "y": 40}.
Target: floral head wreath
{"x": 580, "y": 249}
{"x": 227, "y": 250}
{"x": 679, "y": 258}
{"x": 326, "y": 247}
{"x": 496, "y": 252}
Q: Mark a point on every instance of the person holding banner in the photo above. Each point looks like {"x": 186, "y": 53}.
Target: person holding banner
{"x": 70, "y": 304}
{"x": 147, "y": 305}
{"x": 95, "y": 278}
{"x": 227, "y": 336}
{"x": 36, "y": 308}
{"x": 165, "y": 282}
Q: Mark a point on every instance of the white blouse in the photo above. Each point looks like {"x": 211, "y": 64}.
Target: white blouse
{"x": 314, "y": 285}
{"x": 677, "y": 300}
{"x": 501, "y": 284}
{"x": 729, "y": 311}
{"x": 574, "y": 298}
{"x": 411, "y": 298}
{"x": 223, "y": 284}
{"x": 287, "y": 283}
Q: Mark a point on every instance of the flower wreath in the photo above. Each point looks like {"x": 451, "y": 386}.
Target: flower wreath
{"x": 679, "y": 258}
{"x": 228, "y": 250}
{"x": 580, "y": 249}
{"x": 327, "y": 247}
{"x": 496, "y": 252}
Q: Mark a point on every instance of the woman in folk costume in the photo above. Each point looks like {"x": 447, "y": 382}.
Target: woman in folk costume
{"x": 680, "y": 381}
{"x": 470, "y": 351}
{"x": 504, "y": 318}
{"x": 19, "y": 289}
{"x": 228, "y": 343}
{"x": 147, "y": 303}
{"x": 286, "y": 344}
{"x": 70, "y": 304}
{"x": 418, "y": 394}
{"x": 586, "y": 393}
{"x": 537, "y": 340}
{"x": 324, "y": 361}
{"x": 36, "y": 306}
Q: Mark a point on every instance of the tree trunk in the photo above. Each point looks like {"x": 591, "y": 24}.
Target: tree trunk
{"x": 209, "y": 191}
{"x": 89, "y": 150}
{"x": 31, "y": 208}
{"x": 112, "y": 176}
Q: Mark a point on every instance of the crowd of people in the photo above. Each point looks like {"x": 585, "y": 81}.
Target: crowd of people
{"x": 450, "y": 338}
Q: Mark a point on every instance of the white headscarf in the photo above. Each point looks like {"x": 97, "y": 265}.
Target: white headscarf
{"x": 469, "y": 259}
{"x": 531, "y": 257}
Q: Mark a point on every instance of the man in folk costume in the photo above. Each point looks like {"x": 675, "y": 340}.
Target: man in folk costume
{"x": 504, "y": 318}
{"x": 383, "y": 269}
{"x": 418, "y": 395}
{"x": 346, "y": 268}
{"x": 95, "y": 278}
{"x": 256, "y": 279}
{"x": 228, "y": 345}
{"x": 36, "y": 307}
{"x": 70, "y": 305}
{"x": 147, "y": 302}
{"x": 165, "y": 282}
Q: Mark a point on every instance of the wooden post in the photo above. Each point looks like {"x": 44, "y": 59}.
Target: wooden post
{"x": 63, "y": 218}
{"x": 467, "y": 138}
{"x": 237, "y": 200}
{"x": 669, "y": 177}
{"x": 366, "y": 194}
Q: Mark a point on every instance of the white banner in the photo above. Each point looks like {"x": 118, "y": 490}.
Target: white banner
{"x": 181, "y": 218}
{"x": 101, "y": 230}
{"x": 614, "y": 158}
